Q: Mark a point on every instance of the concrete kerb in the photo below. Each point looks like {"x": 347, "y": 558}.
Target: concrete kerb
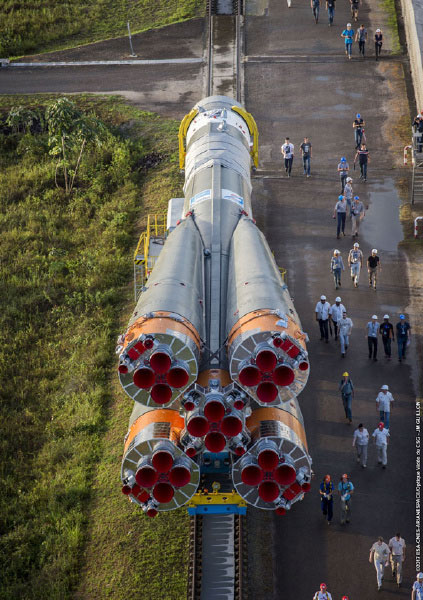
{"x": 414, "y": 50}
{"x": 82, "y": 63}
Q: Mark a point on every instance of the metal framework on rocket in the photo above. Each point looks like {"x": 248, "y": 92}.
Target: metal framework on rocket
{"x": 214, "y": 355}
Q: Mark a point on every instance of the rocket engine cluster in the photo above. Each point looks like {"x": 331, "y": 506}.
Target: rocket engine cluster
{"x": 214, "y": 356}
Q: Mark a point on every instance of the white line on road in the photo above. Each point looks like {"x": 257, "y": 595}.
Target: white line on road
{"x": 83, "y": 63}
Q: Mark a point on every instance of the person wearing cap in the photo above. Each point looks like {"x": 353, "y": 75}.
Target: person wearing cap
{"x": 417, "y": 589}
{"x": 358, "y": 126}
{"x": 403, "y": 336}
{"x": 346, "y": 388}
{"x": 306, "y": 155}
{"x": 345, "y": 490}
{"x": 361, "y": 443}
{"x": 386, "y": 330}
{"x": 348, "y": 35}
{"x": 336, "y": 267}
{"x": 357, "y": 215}
{"x": 355, "y": 261}
{"x": 340, "y": 212}
{"x": 330, "y": 7}
{"x": 322, "y": 311}
{"x": 335, "y": 314}
{"x": 361, "y": 38}
{"x": 381, "y": 439}
{"x": 378, "y": 43}
{"x": 383, "y": 404}
{"x": 397, "y": 547}
{"x": 348, "y": 192}
{"x": 373, "y": 266}
{"x": 379, "y": 554}
{"x": 372, "y": 331}
{"x": 363, "y": 159}
{"x": 323, "y": 593}
{"x": 354, "y": 9}
{"x": 326, "y": 498}
{"x": 343, "y": 168}
{"x": 287, "y": 150}
{"x": 345, "y": 326}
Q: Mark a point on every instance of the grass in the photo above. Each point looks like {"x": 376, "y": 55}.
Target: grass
{"x": 390, "y": 8}
{"x": 66, "y": 293}
{"x": 33, "y": 26}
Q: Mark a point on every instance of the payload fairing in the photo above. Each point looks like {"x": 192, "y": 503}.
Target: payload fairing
{"x": 214, "y": 355}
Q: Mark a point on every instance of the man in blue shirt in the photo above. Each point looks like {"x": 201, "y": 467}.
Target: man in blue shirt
{"x": 372, "y": 329}
{"x": 345, "y": 489}
{"x": 348, "y": 35}
{"x": 417, "y": 593}
{"x": 343, "y": 168}
{"x": 326, "y": 498}
{"x": 403, "y": 336}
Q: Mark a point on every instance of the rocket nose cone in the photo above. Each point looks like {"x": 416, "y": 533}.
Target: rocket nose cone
{"x": 268, "y": 491}
{"x": 163, "y": 492}
{"x": 198, "y": 426}
{"x": 160, "y": 362}
{"x": 231, "y": 426}
{"x": 266, "y": 360}
{"x": 283, "y": 375}
{"x": 215, "y": 441}
{"x": 214, "y": 410}
{"x": 162, "y": 461}
{"x": 285, "y": 474}
{"x": 268, "y": 460}
{"x": 161, "y": 393}
{"x": 179, "y": 476}
{"x": 267, "y": 392}
{"x": 252, "y": 475}
{"x": 144, "y": 378}
{"x": 146, "y": 476}
{"x": 177, "y": 377}
{"x": 249, "y": 376}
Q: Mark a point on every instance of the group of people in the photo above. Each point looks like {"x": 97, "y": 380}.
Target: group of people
{"x": 360, "y": 36}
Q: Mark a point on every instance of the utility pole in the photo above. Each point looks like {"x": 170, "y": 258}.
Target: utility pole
{"x": 130, "y": 41}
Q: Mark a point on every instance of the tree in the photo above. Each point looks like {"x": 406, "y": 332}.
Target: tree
{"x": 21, "y": 118}
{"x": 70, "y": 131}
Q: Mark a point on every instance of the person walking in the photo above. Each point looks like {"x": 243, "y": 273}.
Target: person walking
{"x": 372, "y": 331}
{"x": 343, "y": 168}
{"x": 287, "y": 150}
{"x": 326, "y": 498}
{"x": 417, "y": 590}
{"x": 330, "y": 7}
{"x": 346, "y": 388}
{"x": 345, "y": 326}
{"x": 384, "y": 404}
{"x": 357, "y": 214}
{"x": 403, "y": 337}
{"x": 348, "y": 35}
{"x": 379, "y": 554}
{"x": 363, "y": 160}
{"x": 358, "y": 127}
{"x": 336, "y": 267}
{"x": 386, "y": 330}
{"x": 322, "y": 311}
{"x": 345, "y": 490}
{"x": 381, "y": 439}
{"x": 361, "y": 38}
{"x": 340, "y": 214}
{"x": 355, "y": 261}
{"x": 323, "y": 594}
{"x": 315, "y": 7}
{"x": 348, "y": 192}
{"x": 289, "y": 3}
{"x": 306, "y": 156}
{"x": 354, "y": 8}
{"x": 397, "y": 547}
{"x": 361, "y": 443}
{"x": 378, "y": 42}
{"x": 373, "y": 267}
{"x": 335, "y": 314}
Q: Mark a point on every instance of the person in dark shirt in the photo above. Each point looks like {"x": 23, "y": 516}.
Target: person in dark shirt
{"x": 306, "y": 155}
{"x": 358, "y": 127}
{"x": 373, "y": 266}
{"x": 418, "y": 129}
{"x": 354, "y": 8}
{"x": 378, "y": 43}
{"x": 330, "y": 7}
{"x": 363, "y": 160}
{"x": 386, "y": 330}
{"x": 403, "y": 336}
{"x": 361, "y": 38}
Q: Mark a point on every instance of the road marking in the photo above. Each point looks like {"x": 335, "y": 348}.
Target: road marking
{"x": 83, "y": 63}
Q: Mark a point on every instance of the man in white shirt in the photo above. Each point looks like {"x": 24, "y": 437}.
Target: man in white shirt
{"x": 287, "y": 149}
{"x": 417, "y": 591}
{"x": 381, "y": 439}
{"x": 397, "y": 548}
{"x": 379, "y": 554}
{"x": 335, "y": 314}
{"x": 322, "y": 311}
{"x": 355, "y": 261}
{"x": 345, "y": 326}
{"x": 361, "y": 442}
{"x": 383, "y": 404}
{"x": 323, "y": 594}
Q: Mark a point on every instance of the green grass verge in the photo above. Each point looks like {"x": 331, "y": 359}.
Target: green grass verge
{"x": 389, "y": 6}
{"x": 65, "y": 268}
{"x": 33, "y": 26}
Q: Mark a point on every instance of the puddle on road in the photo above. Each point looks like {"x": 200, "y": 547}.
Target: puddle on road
{"x": 343, "y": 92}
{"x": 322, "y": 78}
{"x": 381, "y": 227}
{"x": 342, "y": 107}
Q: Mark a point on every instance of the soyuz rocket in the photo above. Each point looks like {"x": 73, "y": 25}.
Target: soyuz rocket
{"x": 214, "y": 356}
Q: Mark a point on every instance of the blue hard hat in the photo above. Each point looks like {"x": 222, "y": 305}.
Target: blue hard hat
{"x": 356, "y": 197}
{"x": 402, "y": 317}
{"x": 343, "y": 159}
{"x": 341, "y": 197}
{"x": 358, "y": 116}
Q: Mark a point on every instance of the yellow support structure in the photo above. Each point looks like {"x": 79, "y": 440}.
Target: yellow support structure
{"x": 252, "y": 127}
{"x": 200, "y": 498}
{"x": 143, "y": 262}
{"x": 183, "y": 128}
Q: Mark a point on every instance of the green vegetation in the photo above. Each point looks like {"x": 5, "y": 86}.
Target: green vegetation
{"x": 30, "y": 26}
{"x": 66, "y": 293}
{"x": 389, "y": 6}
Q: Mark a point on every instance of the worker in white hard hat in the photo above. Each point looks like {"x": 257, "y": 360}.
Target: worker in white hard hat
{"x": 335, "y": 314}
{"x": 417, "y": 590}
{"x": 348, "y": 193}
{"x": 386, "y": 330}
{"x": 345, "y": 327}
{"x": 355, "y": 261}
{"x": 372, "y": 332}
{"x": 384, "y": 404}
{"x": 373, "y": 266}
{"x": 336, "y": 267}
{"x": 357, "y": 215}
{"x": 322, "y": 312}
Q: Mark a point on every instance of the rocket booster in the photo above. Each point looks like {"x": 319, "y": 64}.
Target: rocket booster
{"x": 214, "y": 353}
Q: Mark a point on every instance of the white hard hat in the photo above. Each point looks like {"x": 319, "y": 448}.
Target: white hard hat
{"x": 374, "y": 316}
{"x": 356, "y": 245}
{"x": 336, "y": 252}
{"x": 374, "y": 251}
{"x": 348, "y": 24}
{"x": 338, "y": 299}
{"x": 384, "y": 387}
{"x": 349, "y": 179}
{"x": 377, "y": 30}
{"x": 322, "y": 297}
{"x": 386, "y": 316}
{"x": 419, "y": 575}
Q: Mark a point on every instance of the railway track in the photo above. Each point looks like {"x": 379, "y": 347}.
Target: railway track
{"x": 218, "y": 558}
